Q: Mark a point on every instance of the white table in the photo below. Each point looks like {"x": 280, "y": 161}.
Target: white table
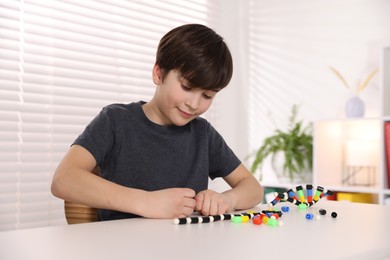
{"x": 361, "y": 231}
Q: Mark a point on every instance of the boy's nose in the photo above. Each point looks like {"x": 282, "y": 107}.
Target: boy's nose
{"x": 193, "y": 101}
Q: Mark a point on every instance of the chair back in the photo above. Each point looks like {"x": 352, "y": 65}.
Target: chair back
{"x": 77, "y": 213}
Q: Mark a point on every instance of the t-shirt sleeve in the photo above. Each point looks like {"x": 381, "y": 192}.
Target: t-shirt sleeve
{"x": 222, "y": 159}
{"x": 98, "y": 136}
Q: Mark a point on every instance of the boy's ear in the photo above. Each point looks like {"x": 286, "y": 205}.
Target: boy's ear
{"x": 156, "y": 74}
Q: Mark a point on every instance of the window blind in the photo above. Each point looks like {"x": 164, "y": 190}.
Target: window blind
{"x": 60, "y": 63}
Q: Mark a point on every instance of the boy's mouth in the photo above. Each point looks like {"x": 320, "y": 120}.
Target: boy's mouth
{"x": 185, "y": 114}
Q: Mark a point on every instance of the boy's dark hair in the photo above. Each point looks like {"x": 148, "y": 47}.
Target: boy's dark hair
{"x": 198, "y": 53}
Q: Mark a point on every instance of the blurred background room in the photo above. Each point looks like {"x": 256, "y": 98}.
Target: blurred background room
{"x": 62, "y": 61}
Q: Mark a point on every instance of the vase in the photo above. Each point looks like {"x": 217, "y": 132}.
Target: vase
{"x": 354, "y": 107}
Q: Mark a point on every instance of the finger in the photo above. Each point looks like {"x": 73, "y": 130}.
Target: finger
{"x": 206, "y": 205}
{"x": 189, "y": 206}
{"x": 189, "y": 193}
{"x": 223, "y": 208}
{"x": 187, "y": 211}
{"x": 182, "y": 216}
{"x": 213, "y": 207}
{"x": 190, "y": 203}
{"x": 199, "y": 198}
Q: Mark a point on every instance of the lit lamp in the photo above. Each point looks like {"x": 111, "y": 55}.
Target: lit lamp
{"x": 360, "y": 163}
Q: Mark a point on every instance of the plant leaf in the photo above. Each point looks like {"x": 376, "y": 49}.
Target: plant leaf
{"x": 362, "y": 86}
{"x": 296, "y": 144}
{"x": 338, "y": 74}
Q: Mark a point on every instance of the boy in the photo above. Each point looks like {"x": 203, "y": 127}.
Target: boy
{"x": 155, "y": 158}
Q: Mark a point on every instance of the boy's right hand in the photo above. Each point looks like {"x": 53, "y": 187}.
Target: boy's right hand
{"x": 170, "y": 203}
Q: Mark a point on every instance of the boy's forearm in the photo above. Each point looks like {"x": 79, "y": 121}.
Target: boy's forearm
{"x": 86, "y": 188}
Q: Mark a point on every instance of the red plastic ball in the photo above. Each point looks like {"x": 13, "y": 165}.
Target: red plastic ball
{"x": 257, "y": 220}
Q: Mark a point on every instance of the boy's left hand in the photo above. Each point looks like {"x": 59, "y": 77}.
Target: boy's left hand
{"x": 209, "y": 202}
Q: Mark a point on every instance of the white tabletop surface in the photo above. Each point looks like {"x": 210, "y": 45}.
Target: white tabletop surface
{"x": 361, "y": 231}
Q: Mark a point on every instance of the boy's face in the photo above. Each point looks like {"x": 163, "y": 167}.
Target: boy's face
{"x": 177, "y": 103}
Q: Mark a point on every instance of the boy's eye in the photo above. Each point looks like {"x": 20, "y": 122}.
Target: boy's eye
{"x": 185, "y": 87}
{"x": 207, "y": 96}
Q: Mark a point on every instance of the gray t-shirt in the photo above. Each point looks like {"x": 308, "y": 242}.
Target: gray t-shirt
{"x": 134, "y": 152}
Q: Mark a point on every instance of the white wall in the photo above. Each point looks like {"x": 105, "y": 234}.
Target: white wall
{"x": 231, "y": 109}
{"x": 232, "y": 113}
{"x": 296, "y": 42}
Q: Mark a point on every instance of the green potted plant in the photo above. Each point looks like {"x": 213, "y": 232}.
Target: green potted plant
{"x": 291, "y": 149}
